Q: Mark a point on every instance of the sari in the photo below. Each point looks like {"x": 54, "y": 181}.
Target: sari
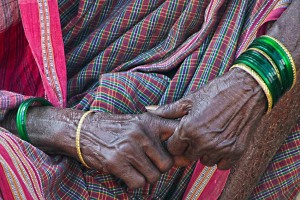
{"x": 118, "y": 57}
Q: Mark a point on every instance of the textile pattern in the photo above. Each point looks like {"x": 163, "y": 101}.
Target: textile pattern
{"x": 133, "y": 56}
{"x": 281, "y": 180}
{"x": 123, "y": 55}
{"x": 9, "y": 14}
{"x": 282, "y": 177}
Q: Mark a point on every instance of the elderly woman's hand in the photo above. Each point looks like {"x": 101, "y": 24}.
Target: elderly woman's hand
{"x": 217, "y": 121}
{"x": 127, "y": 146}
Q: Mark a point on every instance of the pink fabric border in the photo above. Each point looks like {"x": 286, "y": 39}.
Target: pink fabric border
{"x": 32, "y": 14}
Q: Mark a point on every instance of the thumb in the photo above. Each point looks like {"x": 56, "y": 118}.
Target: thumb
{"x": 175, "y": 145}
{"x": 174, "y": 110}
{"x": 166, "y": 127}
{"x": 181, "y": 161}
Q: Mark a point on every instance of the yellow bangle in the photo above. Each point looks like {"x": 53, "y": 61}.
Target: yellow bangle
{"x": 259, "y": 81}
{"x": 78, "y": 138}
{"x": 289, "y": 56}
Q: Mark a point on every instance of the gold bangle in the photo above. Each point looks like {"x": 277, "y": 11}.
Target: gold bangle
{"x": 78, "y": 138}
{"x": 289, "y": 56}
{"x": 259, "y": 81}
{"x": 270, "y": 60}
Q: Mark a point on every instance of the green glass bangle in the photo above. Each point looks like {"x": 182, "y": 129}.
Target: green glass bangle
{"x": 250, "y": 62}
{"x": 268, "y": 69}
{"x": 245, "y": 60}
{"x": 287, "y": 80}
{"x": 278, "y": 45}
{"x": 265, "y": 57}
{"x": 288, "y": 55}
{"x": 264, "y": 71}
{"x": 21, "y": 115}
{"x": 272, "y": 53}
{"x": 283, "y": 54}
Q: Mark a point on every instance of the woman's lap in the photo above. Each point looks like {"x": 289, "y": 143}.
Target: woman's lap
{"x": 61, "y": 177}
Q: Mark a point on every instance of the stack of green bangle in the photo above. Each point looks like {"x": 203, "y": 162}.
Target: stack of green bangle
{"x": 283, "y": 65}
{"x": 21, "y": 115}
{"x": 267, "y": 58}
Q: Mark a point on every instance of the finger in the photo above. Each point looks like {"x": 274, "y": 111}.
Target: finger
{"x": 136, "y": 157}
{"x": 145, "y": 166}
{"x": 128, "y": 174}
{"x": 177, "y": 145}
{"x": 208, "y": 161}
{"x": 159, "y": 156}
{"x": 164, "y": 127}
{"x": 151, "y": 108}
{"x": 181, "y": 161}
{"x": 172, "y": 111}
{"x": 225, "y": 164}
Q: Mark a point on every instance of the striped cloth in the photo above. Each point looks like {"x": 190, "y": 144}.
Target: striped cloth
{"x": 9, "y": 14}
{"x": 282, "y": 177}
{"x": 121, "y": 56}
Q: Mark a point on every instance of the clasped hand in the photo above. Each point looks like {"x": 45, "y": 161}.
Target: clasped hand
{"x": 217, "y": 121}
{"x": 213, "y": 124}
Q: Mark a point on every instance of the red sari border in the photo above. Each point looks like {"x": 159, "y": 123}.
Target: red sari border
{"x": 42, "y": 28}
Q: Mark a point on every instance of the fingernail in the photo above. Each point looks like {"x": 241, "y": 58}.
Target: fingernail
{"x": 151, "y": 107}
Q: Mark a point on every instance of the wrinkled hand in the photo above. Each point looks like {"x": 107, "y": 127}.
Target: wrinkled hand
{"x": 128, "y": 146}
{"x": 217, "y": 121}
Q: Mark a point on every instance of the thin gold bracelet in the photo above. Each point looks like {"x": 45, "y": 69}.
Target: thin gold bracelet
{"x": 259, "y": 81}
{"x": 78, "y": 138}
{"x": 270, "y": 61}
{"x": 289, "y": 56}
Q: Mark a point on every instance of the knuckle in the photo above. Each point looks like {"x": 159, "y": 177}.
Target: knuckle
{"x": 208, "y": 160}
{"x": 154, "y": 177}
{"x": 224, "y": 166}
{"x": 147, "y": 142}
{"x": 187, "y": 128}
{"x": 186, "y": 131}
{"x": 136, "y": 132}
{"x": 111, "y": 162}
{"x": 137, "y": 183}
{"x": 125, "y": 149}
{"x": 166, "y": 165}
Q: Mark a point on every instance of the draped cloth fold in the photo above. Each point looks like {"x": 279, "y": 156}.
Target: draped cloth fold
{"x": 115, "y": 56}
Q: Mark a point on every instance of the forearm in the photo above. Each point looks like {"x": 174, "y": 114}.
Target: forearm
{"x": 53, "y": 130}
{"x": 49, "y": 129}
{"x": 275, "y": 127}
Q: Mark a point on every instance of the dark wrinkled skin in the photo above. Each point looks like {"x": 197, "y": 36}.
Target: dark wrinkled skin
{"x": 275, "y": 127}
{"x": 219, "y": 119}
{"x": 216, "y": 121}
{"x": 127, "y": 146}
{"x": 216, "y": 124}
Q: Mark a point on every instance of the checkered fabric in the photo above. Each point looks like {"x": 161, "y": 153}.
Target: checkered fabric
{"x": 121, "y": 56}
{"x": 9, "y": 14}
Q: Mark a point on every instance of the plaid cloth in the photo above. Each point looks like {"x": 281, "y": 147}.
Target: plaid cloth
{"x": 9, "y": 14}
{"x": 282, "y": 177}
{"x": 120, "y": 57}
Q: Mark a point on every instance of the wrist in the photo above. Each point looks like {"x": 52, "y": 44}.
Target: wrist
{"x": 245, "y": 82}
{"x": 53, "y": 130}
